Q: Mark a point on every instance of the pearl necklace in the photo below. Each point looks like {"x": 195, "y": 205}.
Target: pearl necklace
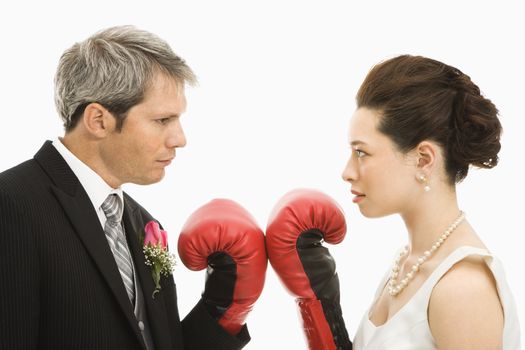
{"x": 393, "y": 288}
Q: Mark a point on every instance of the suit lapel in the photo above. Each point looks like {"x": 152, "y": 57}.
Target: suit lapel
{"x": 79, "y": 209}
{"x": 155, "y": 307}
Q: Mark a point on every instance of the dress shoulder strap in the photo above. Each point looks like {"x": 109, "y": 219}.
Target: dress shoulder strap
{"x": 511, "y": 331}
{"x": 457, "y": 255}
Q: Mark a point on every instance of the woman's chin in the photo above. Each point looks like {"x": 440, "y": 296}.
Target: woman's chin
{"x": 372, "y": 213}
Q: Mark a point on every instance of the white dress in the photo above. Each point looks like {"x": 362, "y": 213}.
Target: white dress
{"x": 408, "y": 329}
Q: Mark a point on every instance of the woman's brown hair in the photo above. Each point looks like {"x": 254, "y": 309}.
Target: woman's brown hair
{"x": 420, "y": 99}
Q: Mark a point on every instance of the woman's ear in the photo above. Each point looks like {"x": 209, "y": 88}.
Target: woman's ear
{"x": 426, "y": 153}
{"x": 97, "y": 120}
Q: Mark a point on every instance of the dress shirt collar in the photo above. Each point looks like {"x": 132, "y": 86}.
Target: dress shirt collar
{"x": 96, "y": 188}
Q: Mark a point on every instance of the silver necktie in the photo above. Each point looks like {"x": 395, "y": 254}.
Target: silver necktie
{"x": 112, "y": 207}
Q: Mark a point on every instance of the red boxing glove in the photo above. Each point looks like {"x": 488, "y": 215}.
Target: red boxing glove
{"x": 224, "y": 238}
{"x": 299, "y": 223}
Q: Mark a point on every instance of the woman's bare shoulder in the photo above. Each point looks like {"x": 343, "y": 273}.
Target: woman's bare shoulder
{"x": 464, "y": 310}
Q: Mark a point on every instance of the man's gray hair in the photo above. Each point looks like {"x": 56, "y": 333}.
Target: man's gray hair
{"x": 114, "y": 67}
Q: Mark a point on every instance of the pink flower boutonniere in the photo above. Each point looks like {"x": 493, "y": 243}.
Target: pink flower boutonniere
{"x": 156, "y": 253}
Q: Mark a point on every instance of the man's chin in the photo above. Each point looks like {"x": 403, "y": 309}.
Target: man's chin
{"x": 150, "y": 179}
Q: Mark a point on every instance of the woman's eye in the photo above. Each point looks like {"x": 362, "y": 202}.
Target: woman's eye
{"x": 359, "y": 153}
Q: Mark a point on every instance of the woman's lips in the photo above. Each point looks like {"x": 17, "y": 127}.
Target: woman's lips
{"x": 358, "y": 196}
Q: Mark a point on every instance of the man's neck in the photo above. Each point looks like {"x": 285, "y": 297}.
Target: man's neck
{"x": 88, "y": 153}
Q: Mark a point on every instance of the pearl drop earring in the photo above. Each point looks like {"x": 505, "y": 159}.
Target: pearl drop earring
{"x": 423, "y": 179}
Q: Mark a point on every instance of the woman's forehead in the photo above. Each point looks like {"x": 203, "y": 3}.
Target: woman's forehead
{"x": 363, "y": 125}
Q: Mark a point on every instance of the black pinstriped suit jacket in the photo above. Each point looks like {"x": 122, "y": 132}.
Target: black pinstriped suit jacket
{"x": 60, "y": 287}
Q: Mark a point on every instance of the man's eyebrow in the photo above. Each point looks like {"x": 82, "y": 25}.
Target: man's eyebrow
{"x": 170, "y": 114}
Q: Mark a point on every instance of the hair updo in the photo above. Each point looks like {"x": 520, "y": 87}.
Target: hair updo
{"x": 423, "y": 99}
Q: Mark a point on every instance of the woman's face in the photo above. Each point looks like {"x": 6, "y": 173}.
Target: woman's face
{"x": 383, "y": 179}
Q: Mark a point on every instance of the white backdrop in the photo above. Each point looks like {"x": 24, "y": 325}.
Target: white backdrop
{"x": 277, "y": 87}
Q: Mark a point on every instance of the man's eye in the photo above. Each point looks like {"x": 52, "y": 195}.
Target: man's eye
{"x": 163, "y": 120}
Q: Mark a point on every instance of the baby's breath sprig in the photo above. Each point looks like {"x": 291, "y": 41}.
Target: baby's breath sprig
{"x": 161, "y": 262}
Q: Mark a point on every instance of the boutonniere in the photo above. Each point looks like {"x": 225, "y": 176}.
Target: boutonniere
{"x": 156, "y": 253}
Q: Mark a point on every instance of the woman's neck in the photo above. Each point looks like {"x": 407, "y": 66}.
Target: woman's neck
{"x": 435, "y": 213}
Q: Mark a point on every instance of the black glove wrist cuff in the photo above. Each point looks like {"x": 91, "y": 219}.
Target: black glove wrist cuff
{"x": 334, "y": 317}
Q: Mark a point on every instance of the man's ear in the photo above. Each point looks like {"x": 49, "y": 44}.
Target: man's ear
{"x": 97, "y": 120}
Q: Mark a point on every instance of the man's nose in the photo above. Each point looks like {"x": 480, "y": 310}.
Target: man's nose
{"x": 176, "y": 138}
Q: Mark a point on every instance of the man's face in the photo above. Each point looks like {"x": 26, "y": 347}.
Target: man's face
{"x": 150, "y": 134}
